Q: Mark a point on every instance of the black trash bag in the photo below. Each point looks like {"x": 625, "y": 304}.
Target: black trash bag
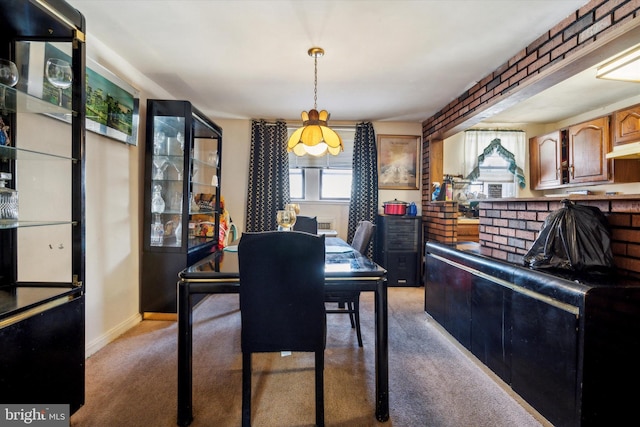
{"x": 575, "y": 238}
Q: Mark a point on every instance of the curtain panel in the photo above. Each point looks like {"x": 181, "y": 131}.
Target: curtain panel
{"x": 364, "y": 186}
{"x": 268, "y": 187}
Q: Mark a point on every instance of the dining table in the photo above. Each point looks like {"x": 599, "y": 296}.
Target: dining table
{"x": 345, "y": 270}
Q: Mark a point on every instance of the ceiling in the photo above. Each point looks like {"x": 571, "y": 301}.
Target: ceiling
{"x": 400, "y": 60}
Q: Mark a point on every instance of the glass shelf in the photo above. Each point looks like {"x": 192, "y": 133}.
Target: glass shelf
{"x": 16, "y": 223}
{"x": 13, "y": 153}
{"x": 16, "y": 101}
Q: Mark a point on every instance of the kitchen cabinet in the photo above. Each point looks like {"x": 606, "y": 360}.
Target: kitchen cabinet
{"x": 42, "y": 242}
{"x": 577, "y": 156}
{"x": 468, "y": 230}
{"x": 626, "y": 125}
{"x": 398, "y": 248}
{"x": 545, "y": 164}
{"x": 589, "y": 142}
{"x": 183, "y": 155}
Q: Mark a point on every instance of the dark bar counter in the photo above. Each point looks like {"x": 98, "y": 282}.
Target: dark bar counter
{"x": 566, "y": 343}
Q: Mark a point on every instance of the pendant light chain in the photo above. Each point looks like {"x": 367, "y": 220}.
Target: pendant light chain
{"x": 315, "y": 82}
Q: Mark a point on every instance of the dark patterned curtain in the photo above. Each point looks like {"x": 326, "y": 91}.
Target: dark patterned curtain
{"x": 268, "y": 188}
{"x": 364, "y": 187}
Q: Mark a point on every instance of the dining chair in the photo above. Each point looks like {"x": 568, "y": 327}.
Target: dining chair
{"x": 282, "y": 303}
{"x": 307, "y": 224}
{"x": 349, "y": 301}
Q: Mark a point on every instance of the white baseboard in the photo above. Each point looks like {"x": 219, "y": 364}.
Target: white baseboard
{"x": 111, "y": 335}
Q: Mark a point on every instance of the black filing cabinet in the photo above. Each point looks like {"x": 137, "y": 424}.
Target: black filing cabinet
{"x": 398, "y": 249}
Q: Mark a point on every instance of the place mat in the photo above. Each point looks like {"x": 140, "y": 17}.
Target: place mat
{"x": 338, "y": 249}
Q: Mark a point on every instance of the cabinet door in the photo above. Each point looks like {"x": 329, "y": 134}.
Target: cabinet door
{"x": 626, "y": 125}
{"x": 546, "y": 161}
{"x": 490, "y": 340}
{"x": 544, "y": 359}
{"x": 588, "y": 145}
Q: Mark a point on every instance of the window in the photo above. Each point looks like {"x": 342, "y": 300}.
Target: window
{"x": 335, "y": 184}
{"x": 323, "y": 178}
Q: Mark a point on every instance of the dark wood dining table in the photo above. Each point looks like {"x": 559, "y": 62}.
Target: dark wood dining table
{"x": 345, "y": 269}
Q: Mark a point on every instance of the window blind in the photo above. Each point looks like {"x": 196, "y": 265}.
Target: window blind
{"x": 341, "y": 161}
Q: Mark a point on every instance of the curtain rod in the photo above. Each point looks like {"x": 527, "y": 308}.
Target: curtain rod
{"x": 338, "y": 127}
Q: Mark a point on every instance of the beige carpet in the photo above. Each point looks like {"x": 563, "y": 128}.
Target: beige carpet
{"x": 132, "y": 381}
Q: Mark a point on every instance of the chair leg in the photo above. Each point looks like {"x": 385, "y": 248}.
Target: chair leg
{"x": 320, "y": 388}
{"x": 350, "y": 311}
{"x": 356, "y": 313}
{"x": 246, "y": 389}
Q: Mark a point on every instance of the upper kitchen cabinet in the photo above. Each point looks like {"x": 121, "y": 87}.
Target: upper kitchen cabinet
{"x": 626, "y": 125}
{"x": 42, "y": 203}
{"x": 545, "y": 165}
{"x": 589, "y": 142}
{"x": 182, "y": 198}
{"x": 577, "y": 156}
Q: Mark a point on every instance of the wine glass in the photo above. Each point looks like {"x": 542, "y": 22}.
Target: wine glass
{"x": 159, "y": 167}
{"x": 293, "y": 207}
{"x": 286, "y": 219}
{"x": 59, "y": 74}
{"x": 8, "y": 77}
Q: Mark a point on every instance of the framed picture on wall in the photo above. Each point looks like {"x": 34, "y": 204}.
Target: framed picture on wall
{"x": 398, "y": 162}
{"x": 111, "y": 104}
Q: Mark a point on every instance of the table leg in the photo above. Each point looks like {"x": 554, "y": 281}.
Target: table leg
{"x": 382, "y": 351}
{"x": 185, "y": 331}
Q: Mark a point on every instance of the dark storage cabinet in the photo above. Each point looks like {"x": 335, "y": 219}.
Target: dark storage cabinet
{"x": 567, "y": 345}
{"x": 183, "y": 155}
{"x": 398, "y": 246}
{"x": 42, "y": 264}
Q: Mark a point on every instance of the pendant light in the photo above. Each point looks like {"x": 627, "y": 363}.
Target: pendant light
{"x": 315, "y": 137}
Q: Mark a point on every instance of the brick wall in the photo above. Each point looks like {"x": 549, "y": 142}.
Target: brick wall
{"x": 589, "y": 26}
{"x": 560, "y": 44}
{"x": 509, "y": 228}
{"x": 439, "y": 222}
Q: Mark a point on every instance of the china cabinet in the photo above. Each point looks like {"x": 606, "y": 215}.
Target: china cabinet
{"x": 182, "y": 198}
{"x": 42, "y": 208}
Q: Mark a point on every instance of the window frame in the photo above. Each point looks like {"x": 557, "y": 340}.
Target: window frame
{"x": 312, "y": 168}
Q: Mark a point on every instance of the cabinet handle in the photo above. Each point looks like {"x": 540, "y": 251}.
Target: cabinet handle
{"x": 571, "y": 171}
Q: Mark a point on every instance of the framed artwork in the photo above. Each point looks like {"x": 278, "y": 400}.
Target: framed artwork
{"x": 112, "y": 104}
{"x": 398, "y": 162}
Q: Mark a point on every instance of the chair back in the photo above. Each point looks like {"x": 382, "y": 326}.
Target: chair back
{"x": 362, "y": 236}
{"x": 282, "y": 291}
{"x": 307, "y": 224}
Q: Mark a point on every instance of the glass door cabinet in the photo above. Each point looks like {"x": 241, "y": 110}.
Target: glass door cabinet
{"x": 42, "y": 223}
{"x": 182, "y": 199}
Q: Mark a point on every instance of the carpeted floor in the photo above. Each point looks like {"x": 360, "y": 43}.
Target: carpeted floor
{"x": 132, "y": 381}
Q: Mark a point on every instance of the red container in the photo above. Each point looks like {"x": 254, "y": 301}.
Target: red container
{"x": 395, "y": 207}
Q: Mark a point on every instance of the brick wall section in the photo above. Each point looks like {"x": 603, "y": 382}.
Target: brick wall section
{"x": 440, "y": 220}
{"x": 509, "y": 228}
{"x": 583, "y": 27}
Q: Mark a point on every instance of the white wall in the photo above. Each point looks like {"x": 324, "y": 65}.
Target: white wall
{"x": 115, "y": 199}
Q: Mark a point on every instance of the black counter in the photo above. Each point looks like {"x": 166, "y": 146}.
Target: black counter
{"x": 566, "y": 343}
{"x": 16, "y": 300}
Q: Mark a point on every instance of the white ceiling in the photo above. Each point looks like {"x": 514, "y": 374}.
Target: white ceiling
{"x": 394, "y": 60}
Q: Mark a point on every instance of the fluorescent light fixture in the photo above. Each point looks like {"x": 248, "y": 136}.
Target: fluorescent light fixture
{"x": 625, "y": 67}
